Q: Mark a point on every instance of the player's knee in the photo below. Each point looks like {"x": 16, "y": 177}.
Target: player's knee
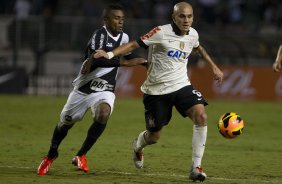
{"x": 102, "y": 114}
{"x": 64, "y": 126}
{"x": 201, "y": 119}
{"x": 69, "y": 120}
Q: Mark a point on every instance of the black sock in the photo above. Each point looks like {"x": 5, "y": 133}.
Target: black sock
{"x": 58, "y": 135}
{"x": 93, "y": 134}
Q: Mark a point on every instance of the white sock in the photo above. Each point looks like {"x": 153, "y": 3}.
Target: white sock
{"x": 141, "y": 142}
{"x": 198, "y": 144}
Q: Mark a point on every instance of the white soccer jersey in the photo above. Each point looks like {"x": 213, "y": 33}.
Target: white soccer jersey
{"x": 167, "y": 59}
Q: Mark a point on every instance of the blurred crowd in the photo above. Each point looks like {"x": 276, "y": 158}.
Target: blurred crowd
{"x": 252, "y": 14}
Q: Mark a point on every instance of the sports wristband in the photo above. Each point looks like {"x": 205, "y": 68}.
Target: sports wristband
{"x": 110, "y": 55}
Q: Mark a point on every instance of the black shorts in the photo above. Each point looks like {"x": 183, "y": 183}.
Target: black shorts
{"x": 158, "y": 108}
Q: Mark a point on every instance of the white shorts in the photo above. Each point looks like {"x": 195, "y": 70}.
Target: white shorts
{"x": 78, "y": 103}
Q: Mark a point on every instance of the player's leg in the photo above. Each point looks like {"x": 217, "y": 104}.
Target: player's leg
{"x": 72, "y": 112}
{"x": 190, "y": 102}
{"x": 102, "y": 115}
{"x": 199, "y": 117}
{"x": 101, "y": 106}
{"x": 144, "y": 139}
{"x": 158, "y": 112}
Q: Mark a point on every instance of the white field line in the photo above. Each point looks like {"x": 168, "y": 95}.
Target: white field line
{"x": 156, "y": 174}
{"x": 181, "y": 176}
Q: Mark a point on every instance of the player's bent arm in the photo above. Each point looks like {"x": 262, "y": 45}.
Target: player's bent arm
{"x": 203, "y": 53}
{"x": 91, "y": 63}
{"x": 218, "y": 74}
{"x": 133, "y": 62}
{"x": 279, "y": 55}
{"x": 277, "y": 64}
{"x": 85, "y": 69}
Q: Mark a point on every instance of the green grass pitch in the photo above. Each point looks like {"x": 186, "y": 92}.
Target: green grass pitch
{"x": 27, "y": 123}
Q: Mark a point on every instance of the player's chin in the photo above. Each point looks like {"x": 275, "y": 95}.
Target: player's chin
{"x": 119, "y": 29}
{"x": 185, "y": 28}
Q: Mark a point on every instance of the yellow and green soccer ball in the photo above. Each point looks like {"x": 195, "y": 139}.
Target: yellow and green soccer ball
{"x": 230, "y": 125}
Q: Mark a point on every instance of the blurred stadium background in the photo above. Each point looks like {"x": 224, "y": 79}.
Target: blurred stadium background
{"x": 42, "y": 42}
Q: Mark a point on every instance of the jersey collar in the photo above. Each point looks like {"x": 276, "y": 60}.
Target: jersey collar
{"x": 109, "y": 33}
{"x": 176, "y": 29}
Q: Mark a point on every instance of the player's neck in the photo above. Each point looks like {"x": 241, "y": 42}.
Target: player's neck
{"x": 177, "y": 31}
{"x": 112, "y": 32}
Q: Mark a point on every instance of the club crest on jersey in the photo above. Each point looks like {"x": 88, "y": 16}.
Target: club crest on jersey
{"x": 181, "y": 45}
{"x": 109, "y": 45}
{"x": 178, "y": 54}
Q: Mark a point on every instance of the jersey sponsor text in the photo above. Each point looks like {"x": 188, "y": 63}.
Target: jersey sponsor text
{"x": 100, "y": 85}
{"x": 178, "y": 54}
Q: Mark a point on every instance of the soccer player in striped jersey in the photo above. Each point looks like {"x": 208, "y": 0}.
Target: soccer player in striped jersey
{"x": 93, "y": 89}
{"x": 167, "y": 84}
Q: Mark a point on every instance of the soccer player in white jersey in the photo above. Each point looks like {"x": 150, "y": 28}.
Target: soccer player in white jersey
{"x": 277, "y": 63}
{"x": 93, "y": 89}
{"x": 167, "y": 84}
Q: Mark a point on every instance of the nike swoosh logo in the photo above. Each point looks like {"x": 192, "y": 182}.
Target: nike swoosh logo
{"x": 169, "y": 41}
{"x": 6, "y": 77}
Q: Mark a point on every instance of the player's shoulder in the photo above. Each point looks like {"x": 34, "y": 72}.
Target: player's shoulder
{"x": 125, "y": 38}
{"x": 100, "y": 32}
{"x": 166, "y": 27}
{"x": 125, "y": 35}
{"x": 193, "y": 32}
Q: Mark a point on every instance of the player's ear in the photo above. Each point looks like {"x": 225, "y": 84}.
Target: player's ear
{"x": 105, "y": 18}
{"x": 172, "y": 17}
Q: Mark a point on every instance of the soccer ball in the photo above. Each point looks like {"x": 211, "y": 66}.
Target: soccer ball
{"x": 230, "y": 125}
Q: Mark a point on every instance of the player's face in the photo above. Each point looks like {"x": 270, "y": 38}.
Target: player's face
{"x": 183, "y": 18}
{"x": 114, "y": 21}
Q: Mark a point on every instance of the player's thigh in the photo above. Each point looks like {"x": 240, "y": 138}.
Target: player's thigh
{"x": 188, "y": 98}
{"x": 102, "y": 103}
{"x": 75, "y": 108}
{"x": 158, "y": 111}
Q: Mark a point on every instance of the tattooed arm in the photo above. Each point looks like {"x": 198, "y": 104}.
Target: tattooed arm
{"x": 277, "y": 64}
{"x": 218, "y": 74}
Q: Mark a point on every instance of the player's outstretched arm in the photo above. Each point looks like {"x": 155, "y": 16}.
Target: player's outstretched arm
{"x": 133, "y": 62}
{"x": 277, "y": 63}
{"x": 218, "y": 74}
{"x": 121, "y": 50}
{"x": 92, "y": 62}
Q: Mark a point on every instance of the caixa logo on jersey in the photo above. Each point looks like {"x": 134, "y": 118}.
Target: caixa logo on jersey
{"x": 100, "y": 85}
{"x": 178, "y": 54}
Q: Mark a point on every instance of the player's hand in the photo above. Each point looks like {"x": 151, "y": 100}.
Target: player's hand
{"x": 85, "y": 69}
{"x": 133, "y": 62}
{"x": 218, "y": 75}
{"x": 276, "y": 66}
{"x": 100, "y": 53}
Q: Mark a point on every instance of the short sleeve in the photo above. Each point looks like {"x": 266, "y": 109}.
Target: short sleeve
{"x": 152, "y": 37}
{"x": 125, "y": 38}
{"x": 196, "y": 42}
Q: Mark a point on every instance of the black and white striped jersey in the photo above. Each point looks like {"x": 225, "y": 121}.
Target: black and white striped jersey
{"x": 100, "y": 78}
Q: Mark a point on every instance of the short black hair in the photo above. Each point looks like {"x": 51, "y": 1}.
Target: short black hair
{"x": 111, "y": 7}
